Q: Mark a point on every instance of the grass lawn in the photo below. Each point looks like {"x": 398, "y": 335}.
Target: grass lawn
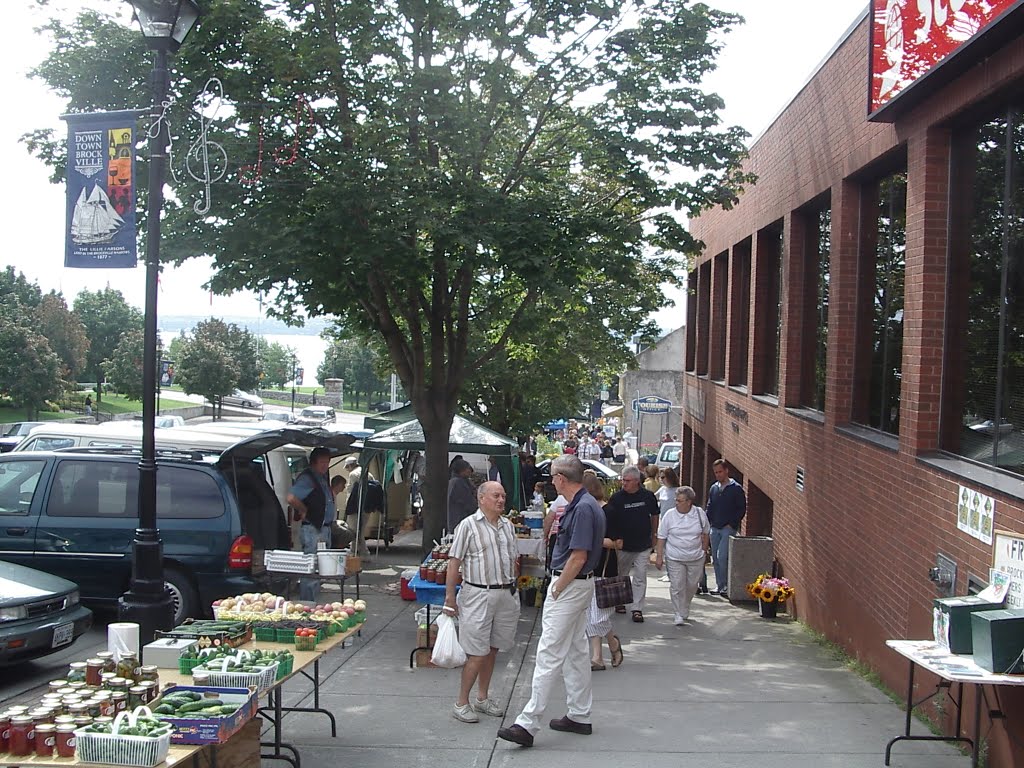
{"x": 114, "y": 404}
{"x": 11, "y": 415}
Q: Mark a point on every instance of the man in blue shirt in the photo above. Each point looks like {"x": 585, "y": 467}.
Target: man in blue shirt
{"x": 727, "y": 504}
{"x": 563, "y": 643}
{"x": 313, "y": 502}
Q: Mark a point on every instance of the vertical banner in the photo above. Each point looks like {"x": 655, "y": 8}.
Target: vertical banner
{"x": 100, "y": 221}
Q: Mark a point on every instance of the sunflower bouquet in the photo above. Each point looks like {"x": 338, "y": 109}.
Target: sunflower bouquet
{"x": 770, "y": 589}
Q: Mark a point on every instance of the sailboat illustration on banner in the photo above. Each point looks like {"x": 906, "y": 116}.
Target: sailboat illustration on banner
{"x": 94, "y": 219}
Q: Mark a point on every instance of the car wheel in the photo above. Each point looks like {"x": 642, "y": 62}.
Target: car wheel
{"x": 183, "y": 595}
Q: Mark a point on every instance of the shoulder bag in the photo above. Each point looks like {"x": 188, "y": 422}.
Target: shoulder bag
{"x": 611, "y": 591}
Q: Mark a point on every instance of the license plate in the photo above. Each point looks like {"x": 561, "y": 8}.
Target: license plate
{"x": 63, "y": 634}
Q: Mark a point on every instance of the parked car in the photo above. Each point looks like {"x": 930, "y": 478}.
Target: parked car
{"x": 168, "y": 422}
{"x": 315, "y": 416}
{"x": 668, "y": 455}
{"x": 15, "y": 433}
{"x": 39, "y": 613}
{"x": 73, "y": 514}
{"x": 278, "y": 418}
{"x": 607, "y": 476}
{"x": 242, "y": 399}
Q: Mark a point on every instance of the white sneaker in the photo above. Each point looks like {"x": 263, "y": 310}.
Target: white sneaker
{"x": 465, "y": 713}
{"x": 488, "y": 707}
{"x": 679, "y": 621}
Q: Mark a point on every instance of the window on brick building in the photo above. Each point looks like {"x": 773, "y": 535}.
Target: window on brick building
{"x": 880, "y": 304}
{"x": 768, "y": 317}
{"x": 983, "y": 396}
{"x": 817, "y": 249}
{"x": 703, "y": 318}
{"x": 739, "y": 314}
{"x": 719, "y": 313}
{"x": 691, "y": 321}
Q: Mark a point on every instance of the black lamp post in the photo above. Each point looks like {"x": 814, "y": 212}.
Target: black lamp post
{"x": 295, "y": 362}
{"x": 165, "y": 23}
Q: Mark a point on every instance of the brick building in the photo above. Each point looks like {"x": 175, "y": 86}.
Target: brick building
{"x": 855, "y": 338}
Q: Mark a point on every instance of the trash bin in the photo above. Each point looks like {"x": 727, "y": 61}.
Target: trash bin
{"x": 749, "y": 556}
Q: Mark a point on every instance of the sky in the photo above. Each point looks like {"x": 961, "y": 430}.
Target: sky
{"x": 763, "y": 65}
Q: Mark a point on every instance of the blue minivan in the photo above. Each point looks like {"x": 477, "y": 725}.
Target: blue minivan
{"x": 73, "y": 514}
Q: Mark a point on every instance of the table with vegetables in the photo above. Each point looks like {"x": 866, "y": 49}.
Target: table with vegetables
{"x": 114, "y": 710}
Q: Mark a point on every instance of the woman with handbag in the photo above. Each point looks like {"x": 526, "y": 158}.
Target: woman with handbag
{"x": 683, "y": 541}
{"x": 599, "y": 620}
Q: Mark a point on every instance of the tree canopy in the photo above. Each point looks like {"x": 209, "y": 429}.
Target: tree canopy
{"x": 429, "y": 170}
{"x": 105, "y": 315}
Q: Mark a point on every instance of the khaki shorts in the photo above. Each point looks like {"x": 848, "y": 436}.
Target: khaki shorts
{"x": 487, "y": 619}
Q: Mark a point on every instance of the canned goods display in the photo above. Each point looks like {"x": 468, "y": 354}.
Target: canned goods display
{"x": 46, "y": 739}
{"x": 65, "y": 737}
{"x": 21, "y": 739}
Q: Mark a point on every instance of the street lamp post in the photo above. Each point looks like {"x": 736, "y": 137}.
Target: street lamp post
{"x": 295, "y": 362}
{"x": 164, "y": 23}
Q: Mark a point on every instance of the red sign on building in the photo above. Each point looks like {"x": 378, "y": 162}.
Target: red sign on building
{"x": 909, "y": 38}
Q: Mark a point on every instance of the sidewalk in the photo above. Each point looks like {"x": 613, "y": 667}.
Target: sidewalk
{"x": 728, "y": 690}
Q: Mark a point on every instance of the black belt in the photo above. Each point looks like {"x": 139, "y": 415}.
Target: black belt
{"x": 491, "y": 586}
{"x": 578, "y": 575}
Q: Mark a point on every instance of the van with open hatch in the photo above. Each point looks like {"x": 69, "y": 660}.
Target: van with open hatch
{"x": 73, "y": 513}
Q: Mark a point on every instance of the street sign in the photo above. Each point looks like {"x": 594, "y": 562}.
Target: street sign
{"x": 651, "y": 405}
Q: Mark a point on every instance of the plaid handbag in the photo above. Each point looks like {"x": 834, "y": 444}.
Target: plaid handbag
{"x": 611, "y": 591}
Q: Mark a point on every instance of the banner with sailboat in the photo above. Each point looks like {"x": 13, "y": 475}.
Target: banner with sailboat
{"x": 100, "y": 226}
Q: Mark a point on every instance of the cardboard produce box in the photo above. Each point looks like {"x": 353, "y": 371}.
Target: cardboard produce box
{"x": 353, "y": 565}
{"x": 422, "y": 659}
{"x": 210, "y": 730}
{"x": 425, "y": 639}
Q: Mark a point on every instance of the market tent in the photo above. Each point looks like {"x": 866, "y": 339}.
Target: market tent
{"x": 390, "y": 418}
{"x": 465, "y": 436}
{"x": 556, "y": 424}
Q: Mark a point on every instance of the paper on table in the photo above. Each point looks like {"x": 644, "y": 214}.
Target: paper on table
{"x": 998, "y": 587}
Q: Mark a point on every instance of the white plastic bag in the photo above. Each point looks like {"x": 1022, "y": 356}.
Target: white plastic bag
{"x": 447, "y": 651}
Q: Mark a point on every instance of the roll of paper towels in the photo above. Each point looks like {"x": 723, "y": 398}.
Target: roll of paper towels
{"x": 123, "y": 638}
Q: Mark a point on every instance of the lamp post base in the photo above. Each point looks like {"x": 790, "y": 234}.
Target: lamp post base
{"x": 147, "y": 602}
{"x": 149, "y": 615}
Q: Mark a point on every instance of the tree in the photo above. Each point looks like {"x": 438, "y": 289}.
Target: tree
{"x": 240, "y": 346}
{"x": 29, "y": 370}
{"x": 453, "y": 148}
{"x": 357, "y": 362}
{"x": 105, "y": 315}
{"x": 17, "y": 288}
{"x": 124, "y": 368}
{"x": 65, "y": 333}
{"x": 206, "y": 367}
{"x": 276, "y": 363}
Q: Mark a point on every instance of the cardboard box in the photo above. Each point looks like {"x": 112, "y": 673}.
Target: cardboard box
{"x": 957, "y": 618}
{"x": 998, "y": 640}
{"x": 425, "y": 639}
{"x": 211, "y": 730}
{"x": 166, "y": 651}
{"x": 353, "y": 565}
{"x": 422, "y": 659}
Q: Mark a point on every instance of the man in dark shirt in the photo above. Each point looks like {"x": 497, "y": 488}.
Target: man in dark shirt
{"x": 563, "y": 643}
{"x": 633, "y": 515}
{"x": 727, "y": 504}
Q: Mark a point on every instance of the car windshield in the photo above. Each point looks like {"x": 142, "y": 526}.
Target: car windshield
{"x": 670, "y": 454}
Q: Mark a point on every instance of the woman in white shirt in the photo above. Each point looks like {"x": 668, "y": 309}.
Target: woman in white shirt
{"x": 667, "y": 492}
{"x": 683, "y": 542}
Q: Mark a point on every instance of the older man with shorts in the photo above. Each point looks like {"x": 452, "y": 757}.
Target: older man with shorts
{"x": 483, "y": 557}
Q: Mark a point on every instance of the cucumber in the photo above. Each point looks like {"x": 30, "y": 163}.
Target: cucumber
{"x": 191, "y": 695}
{"x": 195, "y": 706}
{"x": 229, "y": 709}
{"x": 164, "y": 709}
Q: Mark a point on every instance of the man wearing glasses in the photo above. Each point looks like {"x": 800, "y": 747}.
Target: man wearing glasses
{"x": 563, "y": 644}
{"x": 633, "y": 515}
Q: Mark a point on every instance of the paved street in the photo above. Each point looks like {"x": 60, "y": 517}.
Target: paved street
{"x": 730, "y": 690}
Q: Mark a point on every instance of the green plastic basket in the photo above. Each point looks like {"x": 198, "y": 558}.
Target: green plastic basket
{"x": 266, "y": 633}
{"x": 185, "y": 666}
{"x": 284, "y": 667}
{"x": 285, "y": 635}
{"x": 305, "y": 643}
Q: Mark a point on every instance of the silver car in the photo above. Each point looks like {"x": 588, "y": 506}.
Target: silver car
{"x": 242, "y": 399}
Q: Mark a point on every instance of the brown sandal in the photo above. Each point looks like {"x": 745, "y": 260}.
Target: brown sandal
{"x": 617, "y": 654}
{"x": 599, "y": 667}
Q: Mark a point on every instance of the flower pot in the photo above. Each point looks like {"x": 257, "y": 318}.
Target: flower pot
{"x": 767, "y": 610}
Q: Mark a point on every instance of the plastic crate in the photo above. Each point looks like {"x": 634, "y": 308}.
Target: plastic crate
{"x": 268, "y": 634}
{"x": 305, "y": 643}
{"x": 285, "y": 635}
{"x": 284, "y": 667}
{"x": 284, "y": 560}
{"x": 185, "y": 666}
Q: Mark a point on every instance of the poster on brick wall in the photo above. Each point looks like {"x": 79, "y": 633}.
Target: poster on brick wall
{"x": 1008, "y": 557}
{"x": 975, "y": 514}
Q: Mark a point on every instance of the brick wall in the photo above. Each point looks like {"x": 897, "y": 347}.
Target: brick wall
{"x": 859, "y": 539}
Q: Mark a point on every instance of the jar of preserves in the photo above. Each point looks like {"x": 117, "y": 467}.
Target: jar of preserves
{"x": 76, "y": 672}
{"x": 93, "y": 707}
{"x": 109, "y": 662}
{"x": 78, "y": 686}
{"x": 127, "y": 666}
{"x": 116, "y": 684}
{"x": 200, "y": 677}
{"x": 148, "y": 672}
{"x": 66, "y": 739}
{"x": 120, "y": 701}
{"x": 41, "y": 715}
{"x": 93, "y": 670}
{"x": 84, "y": 720}
{"x": 5, "y": 731}
{"x": 54, "y": 686}
{"x": 63, "y": 720}
{"x": 136, "y": 697}
{"x": 152, "y": 689}
{"x": 21, "y": 736}
{"x": 78, "y": 709}
{"x": 46, "y": 739}
{"x": 66, "y": 690}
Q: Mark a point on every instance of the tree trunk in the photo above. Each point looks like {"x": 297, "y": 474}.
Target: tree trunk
{"x": 435, "y": 489}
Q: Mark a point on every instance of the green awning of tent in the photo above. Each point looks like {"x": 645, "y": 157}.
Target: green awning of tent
{"x": 379, "y": 421}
